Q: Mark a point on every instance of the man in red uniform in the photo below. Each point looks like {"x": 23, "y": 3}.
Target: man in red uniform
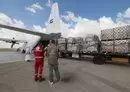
{"x": 39, "y": 61}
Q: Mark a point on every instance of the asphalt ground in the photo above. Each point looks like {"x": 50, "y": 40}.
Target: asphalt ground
{"x": 76, "y": 76}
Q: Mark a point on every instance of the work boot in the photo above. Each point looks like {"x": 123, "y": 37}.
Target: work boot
{"x": 41, "y": 78}
{"x": 51, "y": 83}
{"x": 36, "y": 78}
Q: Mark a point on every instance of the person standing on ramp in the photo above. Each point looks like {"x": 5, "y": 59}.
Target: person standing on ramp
{"x": 52, "y": 54}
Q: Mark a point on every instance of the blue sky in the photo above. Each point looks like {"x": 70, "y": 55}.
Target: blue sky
{"x": 85, "y": 16}
{"x": 92, "y": 9}
{"x": 95, "y": 8}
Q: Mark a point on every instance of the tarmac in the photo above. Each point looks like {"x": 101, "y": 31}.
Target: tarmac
{"x": 76, "y": 76}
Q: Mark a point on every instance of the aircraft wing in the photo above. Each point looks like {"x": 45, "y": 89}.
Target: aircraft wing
{"x": 10, "y": 40}
{"x": 42, "y": 35}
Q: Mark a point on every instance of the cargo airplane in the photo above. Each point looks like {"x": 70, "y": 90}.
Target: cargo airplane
{"x": 53, "y": 29}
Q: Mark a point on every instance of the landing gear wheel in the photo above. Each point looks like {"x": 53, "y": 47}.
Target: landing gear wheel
{"x": 62, "y": 54}
{"x": 99, "y": 59}
{"x": 70, "y": 54}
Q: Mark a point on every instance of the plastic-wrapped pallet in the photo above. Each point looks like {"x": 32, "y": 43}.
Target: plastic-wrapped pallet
{"x": 122, "y": 46}
{"x": 128, "y": 31}
{"x": 107, "y": 34}
{"x": 107, "y": 43}
{"x": 92, "y": 49}
{"x": 116, "y": 33}
{"x": 72, "y": 44}
{"x": 90, "y": 43}
{"x": 61, "y": 41}
{"x": 89, "y": 49}
{"x": 61, "y": 46}
{"x": 79, "y": 40}
{"x": 121, "y": 49}
{"x": 91, "y": 40}
{"x": 69, "y": 47}
{"x": 121, "y": 32}
{"x": 71, "y": 40}
{"x": 107, "y": 48}
{"x": 75, "y": 48}
{"x": 91, "y": 37}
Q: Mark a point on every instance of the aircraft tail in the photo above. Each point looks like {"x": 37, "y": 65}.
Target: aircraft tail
{"x": 54, "y": 22}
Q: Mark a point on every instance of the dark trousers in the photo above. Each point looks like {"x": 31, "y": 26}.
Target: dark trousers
{"x": 55, "y": 68}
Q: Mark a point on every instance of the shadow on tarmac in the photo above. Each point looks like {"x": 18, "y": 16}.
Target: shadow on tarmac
{"x": 68, "y": 77}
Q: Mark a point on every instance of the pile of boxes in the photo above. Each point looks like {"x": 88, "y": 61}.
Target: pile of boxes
{"x": 61, "y": 44}
{"x": 90, "y": 43}
{"x": 116, "y": 39}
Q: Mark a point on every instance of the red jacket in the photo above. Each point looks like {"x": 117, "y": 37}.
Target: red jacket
{"x": 39, "y": 52}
